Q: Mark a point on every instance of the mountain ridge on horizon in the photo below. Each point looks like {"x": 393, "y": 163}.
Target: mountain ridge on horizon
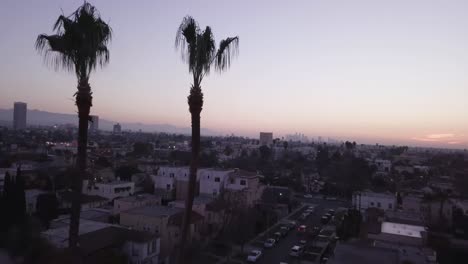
{"x": 40, "y": 117}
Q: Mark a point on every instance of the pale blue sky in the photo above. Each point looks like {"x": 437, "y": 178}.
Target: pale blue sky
{"x": 372, "y": 71}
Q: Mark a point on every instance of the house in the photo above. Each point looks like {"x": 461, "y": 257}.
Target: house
{"x": 97, "y": 238}
{"x": 138, "y": 247}
{"x": 367, "y": 199}
{"x": 212, "y": 181}
{"x": 164, "y": 221}
{"x": 87, "y": 201}
{"x": 383, "y": 165}
{"x": 244, "y": 182}
{"x": 109, "y": 190}
{"x": 139, "y": 200}
{"x": 172, "y": 182}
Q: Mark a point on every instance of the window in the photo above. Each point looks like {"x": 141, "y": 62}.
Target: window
{"x": 378, "y": 204}
{"x": 243, "y": 182}
{"x": 168, "y": 187}
{"x": 390, "y": 206}
{"x": 232, "y": 181}
{"x": 171, "y": 175}
{"x": 372, "y": 203}
{"x": 217, "y": 179}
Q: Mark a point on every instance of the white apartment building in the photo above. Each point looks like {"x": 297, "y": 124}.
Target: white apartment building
{"x": 212, "y": 181}
{"x": 367, "y": 199}
{"x": 109, "y": 190}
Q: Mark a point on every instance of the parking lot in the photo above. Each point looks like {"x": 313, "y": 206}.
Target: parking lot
{"x": 280, "y": 251}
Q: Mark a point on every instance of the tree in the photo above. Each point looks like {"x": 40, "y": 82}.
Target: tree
{"x": 265, "y": 152}
{"x": 80, "y": 45}
{"x": 47, "y": 208}
{"x": 199, "y": 52}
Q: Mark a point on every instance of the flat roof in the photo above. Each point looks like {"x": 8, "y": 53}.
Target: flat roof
{"x": 154, "y": 211}
{"x": 349, "y": 253}
{"x": 139, "y": 197}
{"x": 402, "y": 229}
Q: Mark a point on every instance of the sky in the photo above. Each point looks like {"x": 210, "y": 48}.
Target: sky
{"x": 389, "y": 72}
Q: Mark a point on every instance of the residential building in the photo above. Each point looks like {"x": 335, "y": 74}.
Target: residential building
{"x": 266, "y": 138}
{"x": 139, "y": 200}
{"x": 245, "y": 183}
{"x": 109, "y": 190}
{"x": 20, "y": 110}
{"x": 117, "y": 129}
{"x": 212, "y": 181}
{"x": 97, "y": 237}
{"x": 87, "y": 201}
{"x": 367, "y": 199}
{"x": 164, "y": 221}
{"x": 383, "y": 165}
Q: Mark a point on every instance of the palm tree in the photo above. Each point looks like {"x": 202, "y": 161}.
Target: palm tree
{"x": 80, "y": 45}
{"x": 199, "y": 51}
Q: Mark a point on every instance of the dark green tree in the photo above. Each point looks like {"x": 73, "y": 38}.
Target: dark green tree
{"x": 199, "y": 51}
{"x": 47, "y": 208}
{"x": 78, "y": 45}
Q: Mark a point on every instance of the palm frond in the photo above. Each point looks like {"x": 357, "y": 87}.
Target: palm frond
{"x": 228, "y": 48}
{"x": 186, "y": 39}
{"x": 80, "y": 42}
{"x": 206, "y": 48}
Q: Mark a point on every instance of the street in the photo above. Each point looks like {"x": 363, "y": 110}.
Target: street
{"x": 280, "y": 252}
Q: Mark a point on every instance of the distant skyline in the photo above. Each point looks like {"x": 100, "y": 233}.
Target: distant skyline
{"x": 390, "y": 72}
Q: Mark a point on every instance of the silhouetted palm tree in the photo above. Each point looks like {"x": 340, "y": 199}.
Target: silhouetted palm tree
{"x": 199, "y": 51}
{"x": 78, "y": 45}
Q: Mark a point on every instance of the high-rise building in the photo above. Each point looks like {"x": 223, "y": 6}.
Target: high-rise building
{"x": 19, "y": 115}
{"x": 117, "y": 129}
{"x": 266, "y": 138}
{"x": 94, "y": 123}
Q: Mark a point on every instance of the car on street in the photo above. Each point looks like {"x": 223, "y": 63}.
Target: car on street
{"x": 302, "y": 242}
{"x": 254, "y": 255}
{"x": 277, "y": 236}
{"x": 308, "y": 196}
{"x": 331, "y": 212}
{"x": 302, "y": 229}
{"x": 269, "y": 243}
{"x": 324, "y": 220}
{"x": 296, "y": 251}
{"x": 284, "y": 230}
{"x": 315, "y": 231}
{"x": 291, "y": 224}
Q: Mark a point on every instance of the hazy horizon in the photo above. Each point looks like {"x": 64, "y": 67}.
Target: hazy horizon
{"x": 370, "y": 71}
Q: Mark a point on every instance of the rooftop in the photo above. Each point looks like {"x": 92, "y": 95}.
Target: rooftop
{"x": 154, "y": 211}
{"x": 68, "y": 196}
{"x": 346, "y": 253}
{"x": 110, "y": 237}
{"x": 243, "y": 174}
{"x": 139, "y": 197}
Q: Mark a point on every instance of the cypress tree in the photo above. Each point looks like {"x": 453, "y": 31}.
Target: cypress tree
{"x": 20, "y": 197}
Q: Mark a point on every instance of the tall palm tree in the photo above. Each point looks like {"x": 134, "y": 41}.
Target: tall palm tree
{"x": 199, "y": 51}
{"x": 79, "y": 45}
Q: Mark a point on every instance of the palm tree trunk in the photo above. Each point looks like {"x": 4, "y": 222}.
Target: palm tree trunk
{"x": 195, "y": 101}
{"x": 84, "y": 103}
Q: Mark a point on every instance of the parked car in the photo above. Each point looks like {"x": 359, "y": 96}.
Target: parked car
{"x": 283, "y": 230}
{"x": 324, "y": 220}
{"x": 269, "y": 243}
{"x": 308, "y": 196}
{"x": 277, "y": 236}
{"x": 331, "y": 212}
{"x": 254, "y": 255}
{"x": 296, "y": 251}
{"x": 302, "y": 242}
{"x": 291, "y": 224}
{"x": 302, "y": 229}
